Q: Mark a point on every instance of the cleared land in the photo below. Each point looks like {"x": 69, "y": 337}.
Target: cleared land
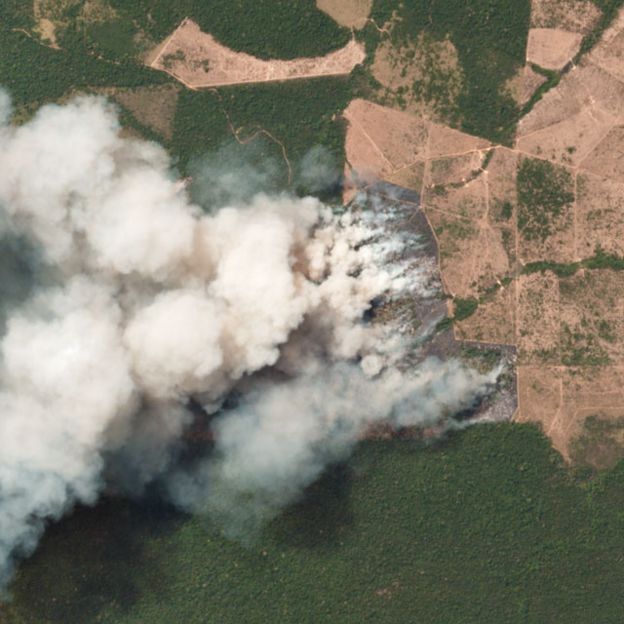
{"x": 348, "y": 13}
{"x": 198, "y": 60}
{"x": 525, "y": 234}
{"x": 552, "y": 48}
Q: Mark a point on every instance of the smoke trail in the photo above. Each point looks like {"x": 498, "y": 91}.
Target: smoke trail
{"x": 281, "y": 437}
{"x": 144, "y": 299}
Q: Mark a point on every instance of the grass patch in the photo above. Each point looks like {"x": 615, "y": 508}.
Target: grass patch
{"x": 113, "y": 39}
{"x": 488, "y": 527}
{"x": 600, "y": 443}
{"x": 544, "y": 192}
{"x": 581, "y": 349}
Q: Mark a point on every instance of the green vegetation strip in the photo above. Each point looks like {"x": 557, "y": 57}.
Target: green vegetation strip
{"x": 600, "y": 260}
{"x": 486, "y": 528}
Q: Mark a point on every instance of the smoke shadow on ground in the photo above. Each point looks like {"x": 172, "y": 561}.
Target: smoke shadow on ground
{"x": 92, "y": 561}
{"x": 21, "y": 269}
{"x": 322, "y": 516}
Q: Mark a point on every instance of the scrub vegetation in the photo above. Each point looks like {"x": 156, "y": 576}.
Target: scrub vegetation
{"x": 544, "y": 192}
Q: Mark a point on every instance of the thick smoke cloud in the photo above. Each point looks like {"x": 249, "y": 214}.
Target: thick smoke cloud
{"x": 144, "y": 299}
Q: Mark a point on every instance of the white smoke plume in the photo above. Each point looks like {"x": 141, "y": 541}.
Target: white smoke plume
{"x": 148, "y": 299}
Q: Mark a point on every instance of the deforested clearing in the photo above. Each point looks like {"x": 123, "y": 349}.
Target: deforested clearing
{"x": 198, "y": 60}
{"x": 349, "y": 13}
{"x": 552, "y": 48}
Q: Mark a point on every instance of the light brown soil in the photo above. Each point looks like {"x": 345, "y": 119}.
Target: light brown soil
{"x": 401, "y": 138}
{"x": 454, "y": 169}
{"x": 569, "y": 141}
{"x": 198, "y": 61}
{"x": 582, "y": 393}
{"x": 445, "y": 141}
{"x": 348, "y": 13}
{"x": 457, "y": 238}
{"x": 46, "y": 29}
{"x": 600, "y": 215}
{"x": 552, "y": 48}
{"x": 366, "y": 160}
{"x": 573, "y": 15}
{"x": 591, "y": 308}
{"x": 582, "y": 110}
{"x": 538, "y": 317}
{"x": 607, "y": 159}
{"x": 569, "y": 331}
{"x": 558, "y": 247}
{"x": 410, "y": 177}
{"x": 579, "y": 329}
{"x": 540, "y": 401}
{"x": 609, "y": 53}
{"x": 468, "y": 201}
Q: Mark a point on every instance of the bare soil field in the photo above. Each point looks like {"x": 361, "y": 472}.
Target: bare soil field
{"x": 538, "y": 314}
{"x": 552, "y": 48}
{"x": 607, "y": 158}
{"x": 577, "y": 123}
{"x": 599, "y": 214}
{"x": 540, "y": 401}
{"x": 561, "y": 399}
{"x": 401, "y": 138}
{"x": 348, "y": 13}
{"x": 608, "y": 53}
{"x": 394, "y": 145}
{"x": 454, "y": 169}
{"x": 458, "y": 237}
{"x": 569, "y": 141}
{"x": 198, "y": 61}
